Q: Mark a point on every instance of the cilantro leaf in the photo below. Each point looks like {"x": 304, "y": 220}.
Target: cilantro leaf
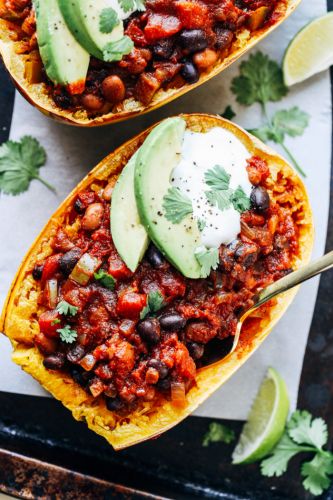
{"x": 105, "y": 279}
{"x": 128, "y": 5}
{"x": 260, "y": 80}
{"x": 264, "y": 133}
{"x": 240, "y": 201}
{"x": 208, "y": 259}
{"x": 114, "y": 51}
{"x": 228, "y": 113}
{"x": 155, "y": 302}
{"x": 317, "y": 472}
{"x": 108, "y": 20}
{"x": 277, "y": 463}
{"x": 67, "y": 335}
{"x": 217, "y": 178}
{"x": 19, "y": 165}
{"x": 291, "y": 121}
{"x": 66, "y": 309}
{"x": 218, "y": 432}
{"x": 305, "y": 430}
{"x": 176, "y": 205}
{"x": 219, "y": 199}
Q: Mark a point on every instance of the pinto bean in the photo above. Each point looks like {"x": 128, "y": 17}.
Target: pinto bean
{"x": 113, "y": 89}
{"x": 92, "y": 219}
{"x": 107, "y": 193}
{"x": 92, "y": 102}
{"x": 205, "y": 59}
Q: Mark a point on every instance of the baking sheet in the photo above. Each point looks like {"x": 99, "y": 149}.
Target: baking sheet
{"x": 73, "y": 152}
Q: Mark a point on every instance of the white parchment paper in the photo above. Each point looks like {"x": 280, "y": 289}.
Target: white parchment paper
{"x": 73, "y": 152}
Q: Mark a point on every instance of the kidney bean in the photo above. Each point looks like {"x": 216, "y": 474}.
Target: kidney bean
{"x": 68, "y": 261}
{"x": 154, "y": 257}
{"x": 196, "y": 350}
{"x": 205, "y": 59}
{"x": 92, "y": 219}
{"x": 193, "y": 40}
{"x": 113, "y": 89}
{"x": 37, "y": 272}
{"x": 159, "y": 366}
{"x": 149, "y": 330}
{"x": 92, "y": 102}
{"x": 260, "y": 199}
{"x": 189, "y": 72}
{"x": 75, "y": 354}
{"x": 172, "y": 322}
{"x": 54, "y": 361}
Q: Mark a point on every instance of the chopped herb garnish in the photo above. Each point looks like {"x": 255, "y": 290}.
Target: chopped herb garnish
{"x": 56, "y": 321}
{"x": 19, "y": 165}
{"x": 208, "y": 259}
{"x": 67, "y": 335}
{"x": 155, "y": 302}
{"x": 176, "y": 205}
{"x": 221, "y": 199}
{"x": 218, "y": 432}
{"x": 66, "y": 309}
{"x": 240, "y": 201}
{"x": 114, "y": 51}
{"x": 128, "y": 5}
{"x": 105, "y": 279}
{"x": 108, "y": 20}
{"x": 217, "y": 178}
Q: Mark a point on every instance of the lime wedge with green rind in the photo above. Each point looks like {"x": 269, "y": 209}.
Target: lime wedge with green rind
{"x": 266, "y": 421}
{"x": 310, "y": 51}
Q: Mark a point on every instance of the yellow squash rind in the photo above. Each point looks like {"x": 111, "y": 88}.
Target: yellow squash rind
{"x": 150, "y": 419}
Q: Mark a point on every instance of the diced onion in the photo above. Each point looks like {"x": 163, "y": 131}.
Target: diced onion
{"x": 178, "y": 393}
{"x": 84, "y": 269}
{"x": 52, "y": 292}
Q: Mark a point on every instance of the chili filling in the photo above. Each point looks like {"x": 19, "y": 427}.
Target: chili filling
{"x": 174, "y": 42}
{"x": 105, "y": 335}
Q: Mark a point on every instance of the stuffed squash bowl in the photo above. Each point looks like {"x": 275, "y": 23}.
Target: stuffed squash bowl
{"x": 97, "y": 63}
{"x": 118, "y": 317}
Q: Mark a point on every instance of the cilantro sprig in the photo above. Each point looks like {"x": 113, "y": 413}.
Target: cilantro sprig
{"x": 208, "y": 259}
{"x": 108, "y": 20}
{"x": 20, "y": 162}
{"x": 303, "y": 434}
{"x": 155, "y": 302}
{"x": 221, "y": 195}
{"x": 105, "y": 279}
{"x": 261, "y": 81}
{"x": 176, "y": 205}
{"x": 66, "y": 309}
{"x": 128, "y": 5}
{"x": 67, "y": 335}
{"x": 218, "y": 432}
{"x": 114, "y": 51}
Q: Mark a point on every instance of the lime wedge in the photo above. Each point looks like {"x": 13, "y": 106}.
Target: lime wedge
{"x": 310, "y": 52}
{"x": 266, "y": 421}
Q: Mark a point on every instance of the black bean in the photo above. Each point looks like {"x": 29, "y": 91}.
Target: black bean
{"x": 172, "y": 322}
{"x": 68, "y": 261}
{"x": 224, "y": 38}
{"x": 189, "y": 72}
{"x": 63, "y": 100}
{"x": 260, "y": 199}
{"x": 193, "y": 40}
{"x": 75, "y": 354}
{"x": 114, "y": 404}
{"x": 159, "y": 366}
{"x": 54, "y": 361}
{"x": 37, "y": 272}
{"x": 196, "y": 350}
{"x": 80, "y": 376}
{"x": 150, "y": 330}
{"x": 164, "y": 385}
{"x": 154, "y": 256}
{"x": 79, "y": 207}
{"x": 163, "y": 48}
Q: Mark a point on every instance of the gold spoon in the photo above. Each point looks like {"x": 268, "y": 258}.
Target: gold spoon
{"x": 293, "y": 279}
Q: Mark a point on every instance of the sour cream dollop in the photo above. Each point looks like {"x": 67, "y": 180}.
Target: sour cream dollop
{"x": 202, "y": 152}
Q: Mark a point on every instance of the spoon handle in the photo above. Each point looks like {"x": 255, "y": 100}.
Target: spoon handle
{"x": 295, "y": 278}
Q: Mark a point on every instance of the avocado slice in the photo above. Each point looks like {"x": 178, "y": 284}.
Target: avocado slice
{"x": 66, "y": 62}
{"x": 157, "y": 157}
{"x": 83, "y": 19}
{"x": 128, "y": 234}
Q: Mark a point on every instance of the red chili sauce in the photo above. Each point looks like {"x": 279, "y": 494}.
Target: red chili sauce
{"x": 123, "y": 358}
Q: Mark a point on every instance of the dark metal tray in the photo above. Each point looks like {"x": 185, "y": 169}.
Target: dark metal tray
{"x": 44, "y": 453}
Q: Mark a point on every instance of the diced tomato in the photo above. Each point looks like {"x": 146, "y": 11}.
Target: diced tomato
{"x": 161, "y": 26}
{"x": 130, "y": 304}
{"x": 134, "y": 31}
{"x": 257, "y": 170}
{"x": 49, "y": 323}
{"x": 51, "y": 267}
{"x": 118, "y": 268}
{"x": 192, "y": 14}
{"x": 172, "y": 285}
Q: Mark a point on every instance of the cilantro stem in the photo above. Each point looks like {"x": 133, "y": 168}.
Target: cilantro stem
{"x": 51, "y": 188}
{"x": 293, "y": 159}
